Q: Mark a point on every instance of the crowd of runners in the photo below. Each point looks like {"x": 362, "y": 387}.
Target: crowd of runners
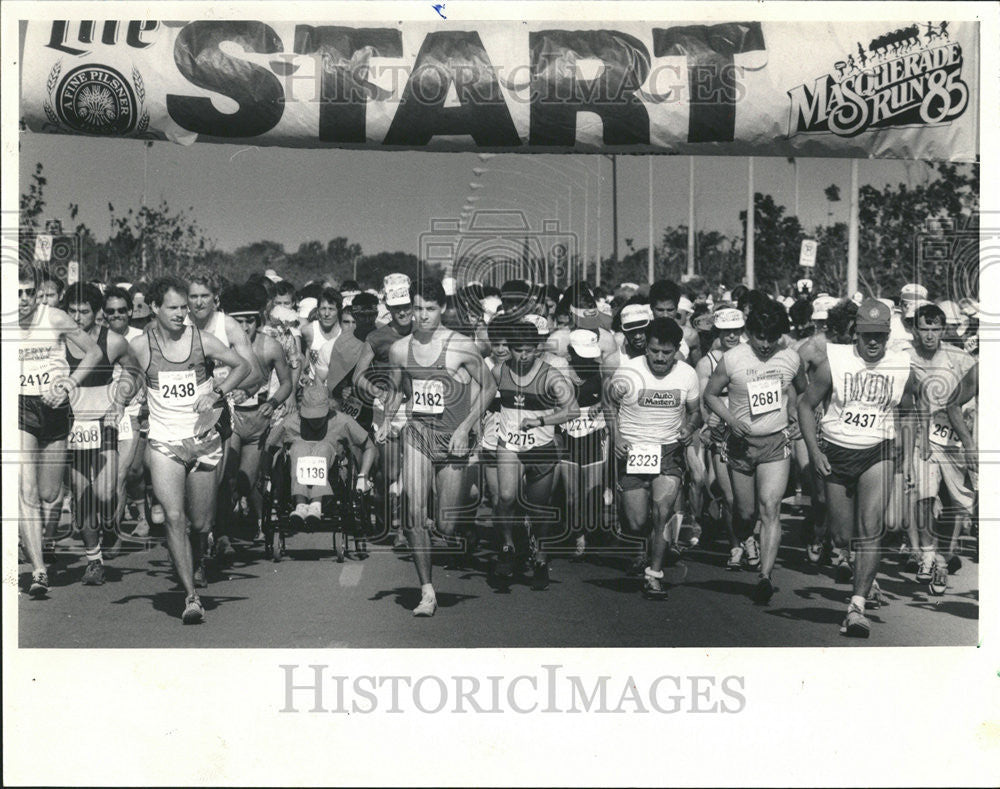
{"x": 640, "y": 418}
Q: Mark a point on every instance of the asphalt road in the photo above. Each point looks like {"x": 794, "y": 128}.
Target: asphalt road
{"x": 309, "y": 600}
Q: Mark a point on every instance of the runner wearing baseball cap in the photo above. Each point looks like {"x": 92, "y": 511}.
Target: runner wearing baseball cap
{"x": 729, "y": 323}
{"x": 857, "y": 455}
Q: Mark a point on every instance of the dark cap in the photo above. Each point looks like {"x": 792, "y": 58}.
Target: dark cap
{"x": 873, "y": 316}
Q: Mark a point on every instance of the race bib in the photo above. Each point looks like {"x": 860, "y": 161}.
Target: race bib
{"x": 125, "y": 432}
{"x": 519, "y": 440}
{"x": 311, "y": 470}
{"x": 590, "y": 421}
{"x": 765, "y": 396}
{"x": 643, "y": 459}
{"x": 428, "y": 396}
{"x": 178, "y": 387}
{"x": 942, "y": 433}
{"x": 352, "y": 407}
{"x": 865, "y": 418}
{"x": 85, "y": 435}
{"x": 36, "y": 377}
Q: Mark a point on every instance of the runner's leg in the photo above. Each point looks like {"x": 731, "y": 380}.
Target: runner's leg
{"x": 169, "y": 477}
{"x": 664, "y": 492}
{"x": 873, "y": 490}
{"x": 418, "y": 474}
{"x": 772, "y": 479}
{"x": 30, "y": 520}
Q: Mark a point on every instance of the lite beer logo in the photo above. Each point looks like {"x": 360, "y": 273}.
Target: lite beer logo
{"x": 651, "y": 398}
{"x": 96, "y": 99}
{"x": 907, "y": 77}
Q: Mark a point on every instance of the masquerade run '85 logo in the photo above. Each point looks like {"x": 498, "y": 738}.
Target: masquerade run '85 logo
{"x": 911, "y": 76}
{"x": 96, "y": 99}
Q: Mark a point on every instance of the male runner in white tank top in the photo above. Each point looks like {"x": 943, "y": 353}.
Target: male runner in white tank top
{"x": 857, "y": 455}
{"x": 185, "y": 445}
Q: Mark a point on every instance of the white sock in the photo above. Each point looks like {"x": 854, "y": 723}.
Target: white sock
{"x": 94, "y": 554}
{"x": 427, "y": 590}
{"x": 859, "y": 601}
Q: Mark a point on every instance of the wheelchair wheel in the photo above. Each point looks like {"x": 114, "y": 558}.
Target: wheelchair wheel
{"x": 277, "y": 545}
{"x": 340, "y": 544}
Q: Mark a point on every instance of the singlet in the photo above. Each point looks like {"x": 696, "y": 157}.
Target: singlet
{"x": 92, "y": 399}
{"x": 714, "y": 357}
{"x": 436, "y": 399}
{"x": 173, "y": 388}
{"x": 492, "y": 415}
{"x": 42, "y": 355}
{"x": 652, "y": 408}
{"x": 757, "y": 388}
{"x": 319, "y": 350}
{"x": 216, "y": 326}
{"x": 587, "y": 392}
{"x": 938, "y": 378}
{"x": 863, "y": 397}
{"x": 519, "y": 401}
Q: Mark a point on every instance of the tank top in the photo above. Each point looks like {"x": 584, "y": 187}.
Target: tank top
{"x": 587, "y": 393}
{"x": 319, "y": 350}
{"x": 757, "y": 388}
{"x": 216, "y": 326}
{"x": 521, "y": 400}
{"x": 92, "y": 398}
{"x": 714, "y": 357}
{"x": 42, "y": 355}
{"x": 173, "y": 388}
{"x": 863, "y": 396}
{"x": 436, "y": 399}
{"x": 136, "y": 405}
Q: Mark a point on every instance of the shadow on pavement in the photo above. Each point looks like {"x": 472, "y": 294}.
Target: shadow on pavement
{"x": 409, "y": 597}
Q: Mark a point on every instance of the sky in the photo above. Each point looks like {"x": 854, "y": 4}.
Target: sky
{"x": 386, "y": 200}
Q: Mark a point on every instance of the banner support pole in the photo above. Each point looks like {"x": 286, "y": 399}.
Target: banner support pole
{"x": 852, "y": 236}
{"x": 750, "y": 225}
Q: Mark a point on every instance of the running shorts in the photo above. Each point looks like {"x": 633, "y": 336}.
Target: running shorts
{"x": 432, "y": 444}
{"x": 201, "y": 453}
{"x": 671, "y": 465}
{"x": 538, "y": 462}
{"x": 587, "y": 450}
{"x": 847, "y": 465}
{"x": 250, "y": 426}
{"x": 946, "y": 466}
{"x": 745, "y": 454}
{"x": 43, "y": 422}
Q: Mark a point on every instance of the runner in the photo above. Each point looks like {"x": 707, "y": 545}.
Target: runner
{"x": 370, "y": 375}
{"x": 320, "y": 334}
{"x": 946, "y": 375}
{"x": 98, "y": 411}
{"x": 185, "y": 446}
{"x": 43, "y": 413}
{"x": 656, "y": 400}
{"x": 497, "y": 333}
{"x": 252, "y": 417}
{"x": 857, "y": 455}
{"x": 586, "y": 439}
{"x": 118, "y": 312}
{"x": 757, "y": 448}
{"x": 204, "y": 289}
{"x": 448, "y": 390}
{"x": 729, "y": 323}
{"x": 534, "y": 396}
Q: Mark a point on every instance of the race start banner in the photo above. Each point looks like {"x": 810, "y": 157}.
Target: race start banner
{"x": 856, "y": 89}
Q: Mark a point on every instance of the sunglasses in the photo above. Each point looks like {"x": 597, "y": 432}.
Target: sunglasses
{"x": 116, "y": 311}
{"x": 26, "y": 291}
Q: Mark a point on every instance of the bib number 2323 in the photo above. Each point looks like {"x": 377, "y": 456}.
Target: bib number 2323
{"x": 643, "y": 459}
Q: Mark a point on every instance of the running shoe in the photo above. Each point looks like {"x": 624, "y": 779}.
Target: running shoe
{"x": 763, "y": 591}
{"x": 400, "y": 544}
{"x": 428, "y": 605}
{"x": 653, "y": 588}
{"x": 141, "y": 530}
{"x": 876, "y": 598}
{"x": 49, "y": 551}
{"x": 504, "y": 568}
{"x": 297, "y": 520}
{"x": 243, "y": 507}
{"x": 751, "y": 552}
{"x": 939, "y": 579}
{"x": 856, "y": 624}
{"x": 580, "y": 548}
{"x": 94, "y": 574}
{"x": 735, "y": 563}
{"x": 200, "y": 581}
{"x": 814, "y": 552}
{"x": 540, "y": 576}
{"x": 926, "y": 569}
{"x": 157, "y": 515}
{"x": 39, "y": 584}
{"x": 194, "y": 613}
{"x": 315, "y": 513}
{"x": 842, "y": 568}
{"x": 639, "y": 563}
{"x": 224, "y": 551}
{"x": 954, "y": 564}
{"x": 673, "y": 554}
